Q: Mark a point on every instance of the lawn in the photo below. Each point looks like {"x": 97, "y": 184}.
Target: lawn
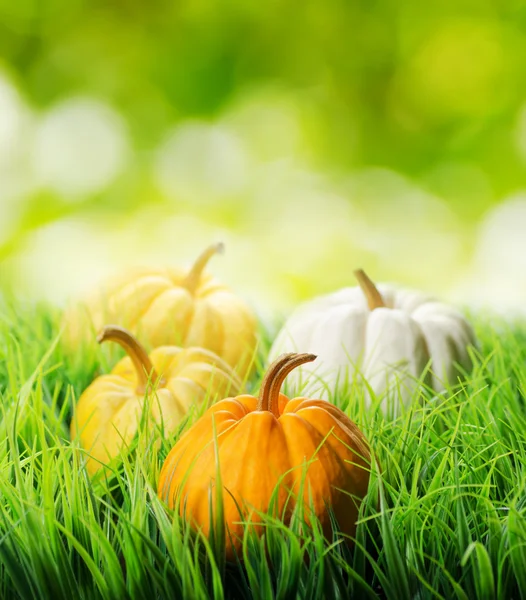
{"x": 450, "y": 521}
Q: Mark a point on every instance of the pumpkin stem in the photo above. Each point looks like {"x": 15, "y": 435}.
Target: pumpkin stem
{"x": 269, "y": 392}
{"x": 372, "y": 295}
{"x": 137, "y": 353}
{"x": 194, "y": 276}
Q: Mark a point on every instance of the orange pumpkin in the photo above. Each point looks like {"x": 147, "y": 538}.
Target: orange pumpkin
{"x": 308, "y": 448}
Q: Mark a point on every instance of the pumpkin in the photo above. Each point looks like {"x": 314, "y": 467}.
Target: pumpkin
{"x": 171, "y": 307}
{"x": 165, "y": 384}
{"x": 386, "y": 334}
{"x": 308, "y": 450}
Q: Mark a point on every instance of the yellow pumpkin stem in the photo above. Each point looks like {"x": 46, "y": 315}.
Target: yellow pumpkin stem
{"x": 372, "y": 295}
{"x": 270, "y": 387}
{"x": 137, "y": 353}
{"x": 194, "y": 276}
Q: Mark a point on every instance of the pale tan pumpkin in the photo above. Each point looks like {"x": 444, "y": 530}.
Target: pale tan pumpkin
{"x": 165, "y": 385}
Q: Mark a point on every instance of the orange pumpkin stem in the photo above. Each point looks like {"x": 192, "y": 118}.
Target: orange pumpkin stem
{"x": 372, "y": 295}
{"x": 270, "y": 387}
{"x": 137, "y": 353}
{"x": 194, "y": 276}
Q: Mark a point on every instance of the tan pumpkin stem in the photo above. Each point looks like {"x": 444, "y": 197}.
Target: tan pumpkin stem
{"x": 371, "y": 293}
{"x": 137, "y": 353}
{"x": 194, "y": 276}
{"x": 270, "y": 387}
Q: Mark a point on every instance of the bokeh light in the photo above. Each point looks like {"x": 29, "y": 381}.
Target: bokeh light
{"x": 202, "y": 163}
{"x": 497, "y": 276}
{"x": 80, "y": 147}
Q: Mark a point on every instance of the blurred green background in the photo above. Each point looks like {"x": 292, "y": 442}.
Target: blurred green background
{"x": 311, "y": 137}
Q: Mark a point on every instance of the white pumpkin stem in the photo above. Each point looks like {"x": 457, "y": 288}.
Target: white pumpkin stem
{"x": 271, "y": 385}
{"x": 194, "y": 276}
{"x": 140, "y": 359}
{"x": 371, "y": 293}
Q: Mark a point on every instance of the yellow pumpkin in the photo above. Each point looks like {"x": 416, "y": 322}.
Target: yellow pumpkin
{"x": 171, "y": 307}
{"x": 309, "y": 449}
{"x": 165, "y": 384}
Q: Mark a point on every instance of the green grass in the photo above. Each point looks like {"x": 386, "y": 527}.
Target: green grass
{"x": 451, "y": 521}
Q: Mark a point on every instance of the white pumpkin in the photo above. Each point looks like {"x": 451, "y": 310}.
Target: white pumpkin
{"x": 388, "y": 335}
